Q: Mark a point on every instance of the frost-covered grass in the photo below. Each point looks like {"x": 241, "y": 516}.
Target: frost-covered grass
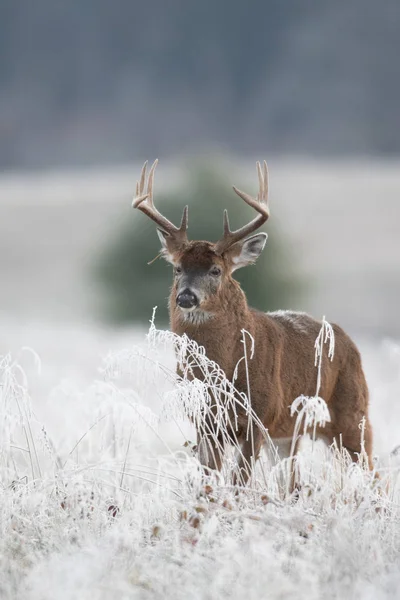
{"x": 102, "y": 496}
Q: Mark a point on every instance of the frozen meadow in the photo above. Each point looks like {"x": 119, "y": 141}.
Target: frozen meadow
{"x": 102, "y": 497}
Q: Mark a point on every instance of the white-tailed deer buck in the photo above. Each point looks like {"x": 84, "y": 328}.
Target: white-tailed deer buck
{"x": 209, "y": 306}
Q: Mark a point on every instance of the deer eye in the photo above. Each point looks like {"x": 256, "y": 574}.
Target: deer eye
{"x": 216, "y": 271}
{"x": 178, "y": 270}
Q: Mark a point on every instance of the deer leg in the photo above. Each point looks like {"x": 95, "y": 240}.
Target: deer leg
{"x": 294, "y": 484}
{"x": 250, "y": 451}
{"x": 360, "y": 449}
{"x": 351, "y": 439}
{"x": 210, "y": 449}
{"x": 349, "y": 407}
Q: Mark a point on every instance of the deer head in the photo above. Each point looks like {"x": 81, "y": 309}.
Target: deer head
{"x": 202, "y": 269}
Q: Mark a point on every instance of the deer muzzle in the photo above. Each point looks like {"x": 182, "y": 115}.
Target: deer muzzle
{"x": 187, "y": 299}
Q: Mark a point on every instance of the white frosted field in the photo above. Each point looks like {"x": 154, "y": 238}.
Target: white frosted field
{"x": 101, "y": 497}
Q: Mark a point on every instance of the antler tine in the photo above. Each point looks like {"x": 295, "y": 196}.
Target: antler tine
{"x": 144, "y": 202}
{"x": 143, "y": 177}
{"x": 184, "y": 221}
{"x": 266, "y": 180}
{"x": 260, "y": 204}
{"x": 227, "y": 231}
{"x": 150, "y": 182}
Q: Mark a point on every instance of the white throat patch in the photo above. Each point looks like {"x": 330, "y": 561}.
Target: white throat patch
{"x": 196, "y": 316}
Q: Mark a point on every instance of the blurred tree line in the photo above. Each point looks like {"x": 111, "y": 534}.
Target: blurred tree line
{"x": 87, "y": 82}
{"x": 131, "y": 287}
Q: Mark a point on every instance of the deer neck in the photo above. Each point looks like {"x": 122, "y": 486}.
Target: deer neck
{"x": 219, "y": 329}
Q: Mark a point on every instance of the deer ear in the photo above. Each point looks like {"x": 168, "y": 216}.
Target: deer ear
{"x": 166, "y": 250}
{"x": 246, "y": 253}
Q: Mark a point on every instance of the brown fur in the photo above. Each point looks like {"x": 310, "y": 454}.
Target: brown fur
{"x": 283, "y": 365}
{"x": 213, "y": 311}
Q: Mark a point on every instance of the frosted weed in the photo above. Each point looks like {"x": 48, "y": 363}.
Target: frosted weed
{"x": 115, "y": 505}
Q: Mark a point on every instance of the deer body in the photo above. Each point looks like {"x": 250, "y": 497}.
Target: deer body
{"x": 282, "y": 368}
{"x": 208, "y": 305}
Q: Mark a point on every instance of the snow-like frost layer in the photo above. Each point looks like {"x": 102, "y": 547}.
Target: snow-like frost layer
{"x": 101, "y": 498}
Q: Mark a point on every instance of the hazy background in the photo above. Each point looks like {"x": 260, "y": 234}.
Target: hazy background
{"x": 103, "y": 82}
{"x": 88, "y": 90}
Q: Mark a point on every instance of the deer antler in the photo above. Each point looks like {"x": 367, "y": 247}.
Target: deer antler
{"x": 260, "y": 204}
{"x": 144, "y": 202}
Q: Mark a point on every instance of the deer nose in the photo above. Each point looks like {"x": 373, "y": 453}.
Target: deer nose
{"x": 187, "y": 299}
